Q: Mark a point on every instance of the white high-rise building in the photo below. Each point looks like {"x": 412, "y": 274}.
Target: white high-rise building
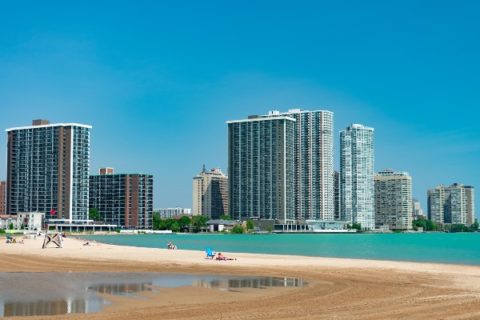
{"x": 356, "y": 175}
{"x": 314, "y": 190}
{"x": 393, "y": 200}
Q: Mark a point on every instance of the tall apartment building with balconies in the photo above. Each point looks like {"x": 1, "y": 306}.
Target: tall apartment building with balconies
{"x": 453, "y": 204}
{"x": 210, "y": 194}
{"x": 125, "y": 200}
{"x": 47, "y": 169}
{"x": 261, "y": 168}
{"x": 356, "y": 175}
{"x": 393, "y": 200}
{"x": 314, "y": 174}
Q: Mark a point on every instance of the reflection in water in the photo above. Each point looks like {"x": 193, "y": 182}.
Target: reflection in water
{"x": 121, "y": 288}
{"x": 42, "y": 308}
{"x": 30, "y": 294}
{"x": 257, "y": 283}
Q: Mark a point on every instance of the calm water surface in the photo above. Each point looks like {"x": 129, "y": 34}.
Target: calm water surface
{"x": 29, "y": 294}
{"x": 456, "y": 248}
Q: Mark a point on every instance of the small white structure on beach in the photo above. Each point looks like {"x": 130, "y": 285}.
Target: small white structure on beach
{"x": 6, "y": 220}
{"x": 32, "y": 221}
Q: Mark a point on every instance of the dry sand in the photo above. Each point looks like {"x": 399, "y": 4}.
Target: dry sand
{"x": 338, "y": 288}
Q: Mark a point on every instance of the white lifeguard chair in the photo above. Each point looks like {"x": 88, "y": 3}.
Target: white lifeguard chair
{"x": 54, "y": 237}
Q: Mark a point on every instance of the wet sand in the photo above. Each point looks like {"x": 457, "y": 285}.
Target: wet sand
{"x": 338, "y": 288}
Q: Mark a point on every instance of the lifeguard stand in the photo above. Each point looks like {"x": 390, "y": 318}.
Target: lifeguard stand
{"x": 54, "y": 237}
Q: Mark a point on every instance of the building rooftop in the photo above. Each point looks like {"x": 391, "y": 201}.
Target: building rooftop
{"x": 41, "y": 123}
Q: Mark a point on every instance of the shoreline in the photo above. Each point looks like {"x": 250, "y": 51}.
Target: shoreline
{"x": 436, "y": 258}
{"x": 342, "y": 288}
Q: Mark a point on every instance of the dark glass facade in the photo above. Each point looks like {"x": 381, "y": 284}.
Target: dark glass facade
{"x": 123, "y": 199}
{"x": 261, "y": 169}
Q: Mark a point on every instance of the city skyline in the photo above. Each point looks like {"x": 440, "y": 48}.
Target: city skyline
{"x": 167, "y": 95}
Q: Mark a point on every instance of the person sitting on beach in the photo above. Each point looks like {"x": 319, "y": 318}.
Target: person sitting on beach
{"x": 171, "y": 246}
{"x": 220, "y": 256}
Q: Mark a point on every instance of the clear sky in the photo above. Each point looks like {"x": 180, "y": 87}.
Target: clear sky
{"x": 158, "y": 79}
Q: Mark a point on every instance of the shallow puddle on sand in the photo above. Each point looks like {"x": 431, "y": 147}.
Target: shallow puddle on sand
{"x": 50, "y": 293}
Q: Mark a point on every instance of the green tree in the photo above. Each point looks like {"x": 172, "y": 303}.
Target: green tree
{"x": 198, "y": 222}
{"x": 419, "y": 223}
{"x": 356, "y": 226}
{"x": 474, "y": 226}
{"x": 94, "y": 214}
{"x": 156, "y": 221}
{"x": 250, "y": 225}
{"x": 184, "y": 222}
{"x": 225, "y": 217}
{"x": 238, "y": 228}
{"x": 10, "y": 226}
{"x": 458, "y": 228}
{"x": 431, "y": 226}
{"x": 175, "y": 226}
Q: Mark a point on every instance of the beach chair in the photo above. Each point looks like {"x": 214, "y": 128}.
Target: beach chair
{"x": 210, "y": 253}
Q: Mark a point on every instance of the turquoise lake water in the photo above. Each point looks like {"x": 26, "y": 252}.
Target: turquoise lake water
{"x": 455, "y": 248}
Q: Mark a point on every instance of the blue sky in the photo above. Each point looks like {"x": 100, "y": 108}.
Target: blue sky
{"x": 158, "y": 79}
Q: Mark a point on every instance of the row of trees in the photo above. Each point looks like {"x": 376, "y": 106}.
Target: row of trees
{"x": 429, "y": 225}
{"x": 195, "y": 223}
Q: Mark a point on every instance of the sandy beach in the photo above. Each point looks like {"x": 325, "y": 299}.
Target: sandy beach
{"x": 338, "y": 288}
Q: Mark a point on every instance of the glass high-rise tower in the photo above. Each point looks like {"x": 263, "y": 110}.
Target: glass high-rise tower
{"x": 357, "y": 176}
{"x": 261, "y": 168}
{"x": 48, "y": 169}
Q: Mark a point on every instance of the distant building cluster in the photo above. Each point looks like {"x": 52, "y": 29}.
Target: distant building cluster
{"x": 280, "y": 169}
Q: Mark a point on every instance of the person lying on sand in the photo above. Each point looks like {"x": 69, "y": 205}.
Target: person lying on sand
{"x": 220, "y": 256}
